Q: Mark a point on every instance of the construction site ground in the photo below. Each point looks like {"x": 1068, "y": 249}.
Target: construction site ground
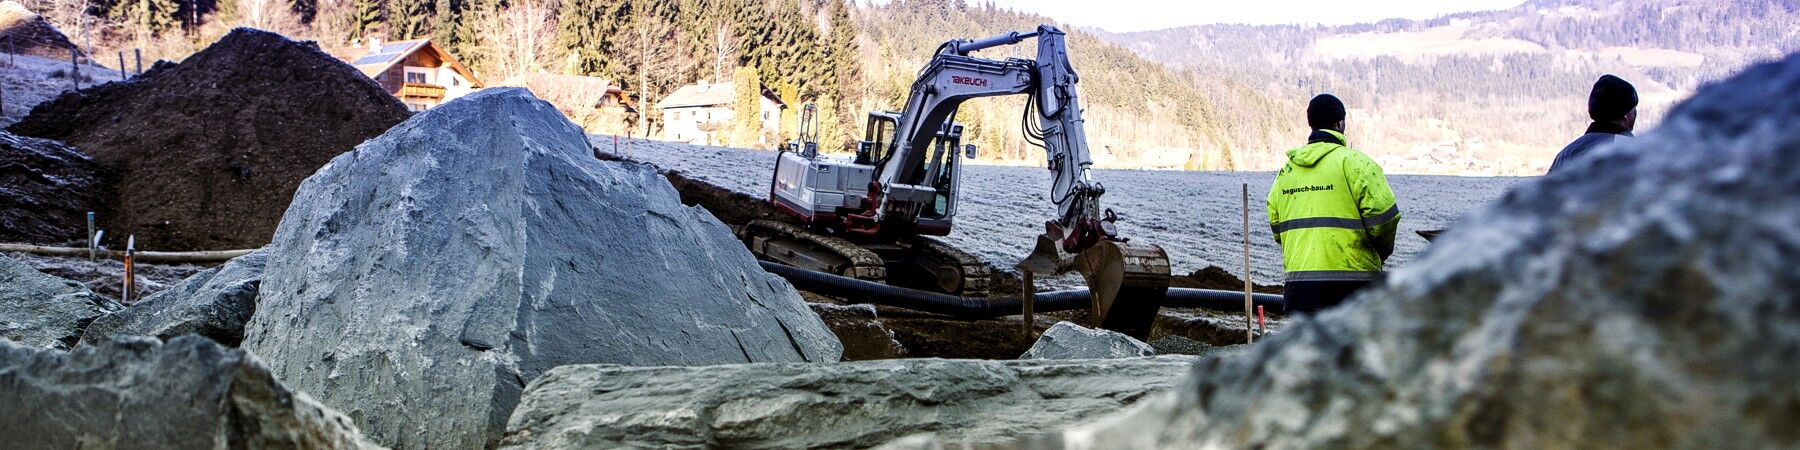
{"x": 996, "y": 219}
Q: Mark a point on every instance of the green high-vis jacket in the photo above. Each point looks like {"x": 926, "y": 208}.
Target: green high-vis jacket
{"x": 1332, "y": 212}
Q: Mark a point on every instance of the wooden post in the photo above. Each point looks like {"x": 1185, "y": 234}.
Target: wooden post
{"x": 90, "y": 236}
{"x": 121, "y": 65}
{"x": 140, "y": 59}
{"x": 1249, "y": 328}
{"x": 1028, "y": 293}
{"x": 75, "y": 67}
{"x": 130, "y": 247}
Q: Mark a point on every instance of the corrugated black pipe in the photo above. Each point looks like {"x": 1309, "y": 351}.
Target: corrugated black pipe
{"x": 985, "y": 308}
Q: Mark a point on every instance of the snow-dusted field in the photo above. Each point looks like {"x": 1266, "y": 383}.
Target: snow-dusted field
{"x": 1196, "y": 216}
{"x": 27, "y": 80}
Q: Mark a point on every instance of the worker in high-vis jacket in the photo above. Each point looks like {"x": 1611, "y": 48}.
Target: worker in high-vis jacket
{"x": 1332, "y": 213}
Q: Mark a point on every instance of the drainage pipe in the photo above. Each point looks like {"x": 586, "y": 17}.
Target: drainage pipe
{"x": 862, "y": 291}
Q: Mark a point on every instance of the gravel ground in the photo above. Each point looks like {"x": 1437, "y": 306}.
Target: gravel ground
{"x": 1195, "y": 216}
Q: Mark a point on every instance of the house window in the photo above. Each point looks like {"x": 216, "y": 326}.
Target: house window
{"x": 416, "y": 107}
{"x": 455, "y": 82}
{"x": 765, "y": 115}
{"x": 417, "y": 77}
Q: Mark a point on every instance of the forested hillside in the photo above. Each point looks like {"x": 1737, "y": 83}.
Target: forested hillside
{"x": 1489, "y": 92}
{"x": 849, "y": 59}
{"x": 1138, "y": 114}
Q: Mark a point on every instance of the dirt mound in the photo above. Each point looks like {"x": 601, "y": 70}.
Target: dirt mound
{"x": 27, "y": 33}
{"x": 1213, "y": 277}
{"x": 208, "y": 152}
{"x": 46, "y": 190}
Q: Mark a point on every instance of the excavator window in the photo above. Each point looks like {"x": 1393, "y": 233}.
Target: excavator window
{"x": 879, "y": 136}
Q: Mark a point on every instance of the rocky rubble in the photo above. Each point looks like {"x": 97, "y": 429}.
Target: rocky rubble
{"x": 215, "y": 303}
{"x": 420, "y": 281}
{"x": 141, "y": 393}
{"x": 1646, "y": 298}
{"x": 38, "y": 310}
{"x": 1066, "y": 340}
{"x": 846, "y": 405}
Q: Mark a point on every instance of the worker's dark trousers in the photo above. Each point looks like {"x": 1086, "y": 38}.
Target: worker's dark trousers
{"x": 1313, "y": 296}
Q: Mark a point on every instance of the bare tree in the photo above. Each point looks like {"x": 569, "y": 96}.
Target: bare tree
{"x": 518, "y": 38}
{"x": 653, "y": 58}
{"x": 724, "y": 47}
{"x": 269, "y": 15}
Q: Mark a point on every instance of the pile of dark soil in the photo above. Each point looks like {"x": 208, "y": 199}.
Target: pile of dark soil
{"x": 208, "y": 153}
{"x": 46, "y": 190}
{"x": 27, "y": 33}
{"x": 1213, "y": 277}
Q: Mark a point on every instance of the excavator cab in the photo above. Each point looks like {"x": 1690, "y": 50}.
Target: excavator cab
{"x": 942, "y": 164}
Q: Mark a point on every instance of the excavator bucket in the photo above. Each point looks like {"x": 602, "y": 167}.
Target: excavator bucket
{"x": 1126, "y": 281}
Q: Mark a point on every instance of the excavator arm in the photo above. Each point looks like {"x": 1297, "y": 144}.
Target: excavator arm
{"x": 1125, "y": 280}
{"x": 1052, "y": 120}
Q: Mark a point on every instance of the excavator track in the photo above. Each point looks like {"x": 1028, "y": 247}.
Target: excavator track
{"x": 922, "y": 262}
{"x": 796, "y": 246}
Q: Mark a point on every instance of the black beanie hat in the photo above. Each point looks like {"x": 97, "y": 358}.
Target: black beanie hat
{"x": 1613, "y": 97}
{"x": 1324, "y": 111}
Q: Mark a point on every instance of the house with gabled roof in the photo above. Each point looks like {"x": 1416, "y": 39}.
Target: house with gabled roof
{"x": 702, "y": 113}
{"x": 418, "y": 72}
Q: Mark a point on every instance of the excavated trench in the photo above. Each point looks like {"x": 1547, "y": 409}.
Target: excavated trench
{"x": 885, "y": 332}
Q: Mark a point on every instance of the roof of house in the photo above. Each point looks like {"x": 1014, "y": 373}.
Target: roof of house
{"x": 543, "y": 79}
{"x": 708, "y": 94}
{"x": 391, "y": 53}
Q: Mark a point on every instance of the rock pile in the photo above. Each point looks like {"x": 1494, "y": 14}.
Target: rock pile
{"x": 46, "y": 190}
{"x": 141, "y": 393}
{"x": 1067, "y": 340}
{"x": 215, "y": 303}
{"x": 207, "y": 153}
{"x": 1646, "y": 298}
{"x": 418, "y": 282}
{"x": 27, "y": 33}
{"x": 43, "y": 311}
{"x": 847, "y": 405}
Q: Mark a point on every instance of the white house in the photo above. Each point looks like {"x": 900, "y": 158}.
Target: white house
{"x": 418, "y": 72}
{"x": 702, "y": 113}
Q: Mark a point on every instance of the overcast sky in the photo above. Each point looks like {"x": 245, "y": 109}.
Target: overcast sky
{"x": 1139, "y": 15}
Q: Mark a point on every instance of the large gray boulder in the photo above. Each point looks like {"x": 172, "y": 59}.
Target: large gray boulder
{"x": 214, "y": 303}
{"x": 420, "y": 281}
{"x": 1644, "y": 298}
{"x": 138, "y": 392}
{"x": 845, "y": 405}
{"x": 43, "y": 311}
{"x": 1067, "y": 340}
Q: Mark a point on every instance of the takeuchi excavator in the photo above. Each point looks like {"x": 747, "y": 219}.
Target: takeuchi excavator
{"x": 871, "y": 216}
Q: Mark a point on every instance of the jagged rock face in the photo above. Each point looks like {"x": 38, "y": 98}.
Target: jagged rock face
{"x": 860, "y": 330}
{"x": 1643, "y": 299}
{"x": 420, "y": 281}
{"x": 844, "y": 405}
{"x": 214, "y": 303}
{"x": 1070, "y": 341}
{"x": 137, "y": 392}
{"x": 43, "y": 311}
{"x": 46, "y": 190}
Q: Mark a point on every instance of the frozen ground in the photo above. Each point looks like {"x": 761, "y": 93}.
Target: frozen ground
{"x": 27, "y": 80}
{"x": 1195, "y": 216}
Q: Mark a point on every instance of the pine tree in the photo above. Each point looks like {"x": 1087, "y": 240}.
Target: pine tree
{"x": 367, "y": 18}
{"x": 411, "y": 19}
{"x": 746, "y": 124}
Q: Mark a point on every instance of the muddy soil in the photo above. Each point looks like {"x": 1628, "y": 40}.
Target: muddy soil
{"x": 207, "y": 153}
{"x": 46, "y": 190}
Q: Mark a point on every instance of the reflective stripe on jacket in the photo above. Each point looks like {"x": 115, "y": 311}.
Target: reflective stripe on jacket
{"x": 1332, "y": 212}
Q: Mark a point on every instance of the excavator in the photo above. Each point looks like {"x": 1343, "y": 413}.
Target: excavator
{"x": 872, "y": 216}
